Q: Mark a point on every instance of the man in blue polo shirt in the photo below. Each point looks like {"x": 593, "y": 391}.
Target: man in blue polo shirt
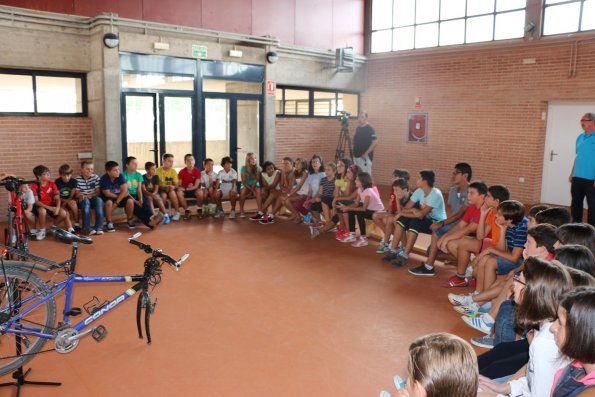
{"x": 582, "y": 177}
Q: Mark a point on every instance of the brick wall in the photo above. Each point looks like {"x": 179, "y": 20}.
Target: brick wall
{"x": 52, "y": 141}
{"x": 484, "y": 108}
{"x": 303, "y": 137}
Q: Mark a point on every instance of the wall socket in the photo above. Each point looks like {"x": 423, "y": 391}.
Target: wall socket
{"x": 522, "y": 179}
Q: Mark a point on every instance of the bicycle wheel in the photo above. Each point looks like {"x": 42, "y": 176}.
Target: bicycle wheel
{"x": 19, "y": 290}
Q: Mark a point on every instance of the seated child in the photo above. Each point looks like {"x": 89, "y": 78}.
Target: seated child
{"x": 89, "y": 197}
{"x": 556, "y": 216}
{"x": 285, "y": 185}
{"x": 169, "y": 186}
{"x": 189, "y": 177}
{"x": 325, "y": 195}
{"x": 577, "y": 233}
{"x": 440, "y": 365}
{"x": 297, "y": 195}
{"x": 506, "y": 256}
{"x": 47, "y": 202}
{"x": 384, "y": 220}
{"x": 346, "y": 196}
{"x": 67, "y": 188}
{"x": 141, "y": 209}
{"x": 312, "y": 207}
{"x": 150, "y": 189}
{"x": 367, "y": 202}
{"x": 250, "y": 173}
{"x": 411, "y": 221}
{"x": 270, "y": 189}
{"x": 27, "y": 200}
{"x": 574, "y": 336}
{"x": 227, "y": 180}
{"x": 577, "y": 257}
{"x": 114, "y": 190}
{"x": 208, "y": 180}
{"x": 443, "y": 237}
{"x": 534, "y": 211}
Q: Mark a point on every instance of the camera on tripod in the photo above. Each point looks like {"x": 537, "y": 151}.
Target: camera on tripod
{"x": 343, "y": 117}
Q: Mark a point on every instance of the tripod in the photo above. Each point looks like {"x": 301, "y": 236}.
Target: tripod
{"x": 344, "y": 143}
{"x": 19, "y": 375}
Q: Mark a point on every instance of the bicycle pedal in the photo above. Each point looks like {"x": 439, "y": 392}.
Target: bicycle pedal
{"x": 74, "y": 311}
{"x": 99, "y": 333}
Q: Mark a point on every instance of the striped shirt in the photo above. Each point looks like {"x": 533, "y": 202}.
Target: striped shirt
{"x": 87, "y": 186}
{"x": 328, "y": 187}
{"x": 516, "y": 236}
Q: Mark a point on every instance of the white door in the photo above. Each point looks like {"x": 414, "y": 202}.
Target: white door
{"x": 563, "y": 126}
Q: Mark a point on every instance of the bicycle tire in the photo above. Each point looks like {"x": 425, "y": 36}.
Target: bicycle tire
{"x": 43, "y": 316}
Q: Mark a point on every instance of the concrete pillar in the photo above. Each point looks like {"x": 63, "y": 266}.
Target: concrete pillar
{"x": 270, "y": 114}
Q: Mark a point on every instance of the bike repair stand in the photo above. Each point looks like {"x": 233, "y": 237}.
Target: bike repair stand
{"x": 19, "y": 375}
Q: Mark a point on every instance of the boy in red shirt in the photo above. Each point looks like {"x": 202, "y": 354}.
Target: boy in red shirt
{"x": 47, "y": 202}
{"x": 476, "y": 194}
{"x": 190, "y": 183}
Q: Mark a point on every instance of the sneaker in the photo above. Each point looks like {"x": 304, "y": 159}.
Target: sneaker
{"x": 360, "y": 242}
{"x": 486, "y": 342}
{"x": 350, "y": 238}
{"x": 384, "y": 393}
{"x": 314, "y": 232}
{"x": 455, "y": 281}
{"x": 186, "y": 215}
{"x": 90, "y": 232}
{"x": 460, "y": 300}
{"x": 176, "y": 217}
{"x": 130, "y": 224}
{"x": 256, "y": 217}
{"x": 341, "y": 234}
{"x": 40, "y": 235}
{"x": 242, "y": 215}
{"x": 307, "y": 218}
{"x": 199, "y": 213}
{"x": 470, "y": 310}
{"x": 267, "y": 220}
{"x": 157, "y": 219}
{"x": 483, "y": 323}
{"x": 401, "y": 260}
{"x": 391, "y": 255}
{"x": 232, "y": 214}
{"x": 422, "y": 270}
{"x": 98, "y": 232}
{"x": 166, "y": 219}
{"x": 110, "y": 227}
{"x": 218, "y": 214}
{"x": 383, "y": 248}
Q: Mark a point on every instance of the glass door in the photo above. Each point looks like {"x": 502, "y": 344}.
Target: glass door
{"x": 140, "y": 127}
{"x": 232, "y": 128}
{"x": 176, "y": 126}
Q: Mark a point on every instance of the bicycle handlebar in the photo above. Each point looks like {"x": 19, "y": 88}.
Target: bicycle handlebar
{"x": 157, "y": 253}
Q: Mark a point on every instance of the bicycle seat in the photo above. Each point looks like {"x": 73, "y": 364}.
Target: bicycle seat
{"x": 69, "y": 238}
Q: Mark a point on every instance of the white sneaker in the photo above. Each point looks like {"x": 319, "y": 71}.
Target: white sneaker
{"x": 314, "y": 232}
{"x": 459, "y": 299}
{"x": 218, "y": 214}
{"x": 350, "y": 238}
{"x": 40, "y": 234}
{"x": 483, "y": 323}
{"x": 176, "y": 217}
{"x": 232, "y": 214}
{"x": 360, "y": 242}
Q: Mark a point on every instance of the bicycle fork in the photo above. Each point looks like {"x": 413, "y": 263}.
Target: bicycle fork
{"x": 144, "y": 302}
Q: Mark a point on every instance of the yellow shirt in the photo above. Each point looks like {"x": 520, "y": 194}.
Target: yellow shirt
{"x": 167, "y": 177}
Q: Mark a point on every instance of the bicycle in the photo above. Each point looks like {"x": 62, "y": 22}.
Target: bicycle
{"x": 17, "y": 232}
{"x": 28, "y": 306}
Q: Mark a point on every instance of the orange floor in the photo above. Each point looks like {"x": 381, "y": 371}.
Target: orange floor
{"x": 256, "y": 311}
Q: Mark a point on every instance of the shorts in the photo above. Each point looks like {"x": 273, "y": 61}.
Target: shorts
{"x": 225, "y": 193}
{"x": 344, "y": 202}
{"x": 162, "y": 190}
{"x": 444, "y": 229}
{"x": 300, "y": 207}
{"x": 190, "y": 193}
{"x": 122, "y": 202}
{"x": 36, "y": 213}
{"x": 328, "y": 200}
{"x": 415, "y": 225}
{"x": 506, "y": 266}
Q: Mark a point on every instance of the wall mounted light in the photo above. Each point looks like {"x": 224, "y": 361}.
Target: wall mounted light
{"x": 111, "y": 40}
{"x": 272, "y": 57}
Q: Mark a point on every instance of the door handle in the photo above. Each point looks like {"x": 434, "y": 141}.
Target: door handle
{"x": 238, "y": 148}
{"x": 152, "y": 150}
{"x": 552, "y": 154}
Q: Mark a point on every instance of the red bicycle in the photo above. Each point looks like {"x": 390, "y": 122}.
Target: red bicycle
{"x": 17, "y": 232}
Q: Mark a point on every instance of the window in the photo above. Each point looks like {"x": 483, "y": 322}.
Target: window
{"x": 409, "y": 24}
{"x": 568, "y": 16}
{"x": 309, "y": 102}
{"x": 42, "y": 93}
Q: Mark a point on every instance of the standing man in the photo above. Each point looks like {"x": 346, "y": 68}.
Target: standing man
{"x": 582, "y": 177}
{"x": 364, "y": 143}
